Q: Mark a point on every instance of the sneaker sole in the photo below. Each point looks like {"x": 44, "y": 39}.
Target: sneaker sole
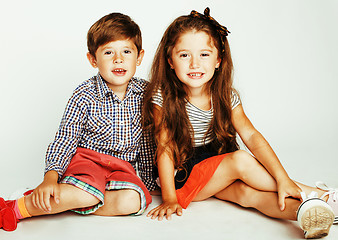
{"x": 316, "y": 221}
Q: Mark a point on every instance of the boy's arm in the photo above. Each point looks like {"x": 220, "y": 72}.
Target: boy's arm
{"x": 42, "y": 193}
{"x": 62, "y": 149}
{"x": 60, "y": 152}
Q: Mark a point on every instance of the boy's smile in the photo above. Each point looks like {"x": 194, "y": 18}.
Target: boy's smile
{"x": 117, "y": 61}
{"x": 119, "y": 72}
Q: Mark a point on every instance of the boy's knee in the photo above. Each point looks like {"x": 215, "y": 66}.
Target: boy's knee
{"x": 121, "y": 202}
{"x": 128, "y": 202}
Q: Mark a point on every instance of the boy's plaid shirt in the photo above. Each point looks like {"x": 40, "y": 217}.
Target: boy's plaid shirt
{"x": 95, "y": 118}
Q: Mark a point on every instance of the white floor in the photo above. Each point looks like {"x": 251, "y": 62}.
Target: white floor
{"x": 210, "y": 219}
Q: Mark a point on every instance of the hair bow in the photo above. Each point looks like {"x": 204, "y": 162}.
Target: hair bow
{"x": 223, "y": 31}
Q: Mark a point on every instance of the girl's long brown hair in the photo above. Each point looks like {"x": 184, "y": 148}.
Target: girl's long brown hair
{"x": 174, "y": 116}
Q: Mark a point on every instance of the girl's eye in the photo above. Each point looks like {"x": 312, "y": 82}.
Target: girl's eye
{"x": 205, "y": 54}
{"x": 183, "y": 55}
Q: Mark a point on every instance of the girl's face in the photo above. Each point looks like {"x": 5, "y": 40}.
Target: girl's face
{"x": 194, "y": 59}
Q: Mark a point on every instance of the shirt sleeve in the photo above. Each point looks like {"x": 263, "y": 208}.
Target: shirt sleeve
{"x": 157, "y": 98}
{"x": 145, "y": 160}
{"x": 235, "y": 100}
{"x": 62, "y": 149}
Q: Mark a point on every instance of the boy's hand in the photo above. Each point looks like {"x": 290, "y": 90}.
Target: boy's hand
{"x": 49, "y": 187}
{"x": 287, "y": 188}
{"x": 166, "y": 208}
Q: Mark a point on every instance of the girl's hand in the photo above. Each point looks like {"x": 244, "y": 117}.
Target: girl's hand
{"x": 286, "y": 189}
{"x": 166, "y": 208}
{"x": 49, "y": 187}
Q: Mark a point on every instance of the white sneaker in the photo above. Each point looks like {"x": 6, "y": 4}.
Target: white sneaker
{"x": 332, "y": 200}
{"x": 314, "y": 216}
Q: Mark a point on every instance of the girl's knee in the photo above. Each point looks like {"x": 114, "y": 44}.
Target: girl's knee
{"x": 243, "y": 162}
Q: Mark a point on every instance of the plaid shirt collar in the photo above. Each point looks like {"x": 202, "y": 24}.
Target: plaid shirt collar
{"x": 103, "y": 90}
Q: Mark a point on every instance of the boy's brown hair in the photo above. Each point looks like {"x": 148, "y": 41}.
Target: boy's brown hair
{"x": 113, "y": 27}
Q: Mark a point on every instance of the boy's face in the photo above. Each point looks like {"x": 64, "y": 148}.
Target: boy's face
{"x": 117, "y": 61}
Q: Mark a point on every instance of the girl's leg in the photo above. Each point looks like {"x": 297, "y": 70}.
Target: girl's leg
{"x": 241, "y": 165}
{"x": 71, "y": 197}
{"x": 265, "y": 202}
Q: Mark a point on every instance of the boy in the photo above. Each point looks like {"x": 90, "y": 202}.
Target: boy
{"x": 100, "y": 137}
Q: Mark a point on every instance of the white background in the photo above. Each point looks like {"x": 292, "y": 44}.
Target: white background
{"x": 286, "y": 68}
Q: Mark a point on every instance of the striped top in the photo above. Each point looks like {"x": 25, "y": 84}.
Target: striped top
{"x": 95, "y": 118}
{"x": 199, "y": 119}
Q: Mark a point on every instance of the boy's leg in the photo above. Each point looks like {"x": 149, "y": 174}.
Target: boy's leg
{"x": 71, "y": 197}
{"x": 120, "y": 202}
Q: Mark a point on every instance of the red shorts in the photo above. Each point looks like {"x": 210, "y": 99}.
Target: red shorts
{"x": 198, "y": 178}
{"x": 95, "y": 173}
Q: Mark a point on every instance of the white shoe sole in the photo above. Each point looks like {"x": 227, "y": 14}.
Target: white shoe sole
{"x": 315, "y": 217}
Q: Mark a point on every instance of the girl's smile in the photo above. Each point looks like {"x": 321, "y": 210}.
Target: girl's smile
{"x": 195, "y": 75}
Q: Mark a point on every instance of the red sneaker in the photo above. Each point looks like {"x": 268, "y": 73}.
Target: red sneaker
{"x": 8, "y": 219}
{"x": 2, "y": 203}
{"x": 10, "y": 203}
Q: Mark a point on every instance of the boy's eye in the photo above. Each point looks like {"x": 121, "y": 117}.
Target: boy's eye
{"x": 107, "y": 52}
{"x": 127, "y": 51}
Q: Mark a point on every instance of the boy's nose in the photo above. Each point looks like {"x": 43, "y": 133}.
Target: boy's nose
{"x": 118, "y": 58}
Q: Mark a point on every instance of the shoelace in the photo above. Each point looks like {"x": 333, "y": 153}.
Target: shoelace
{"x": 329, "y": 191}
{"x": 311, "y": 195}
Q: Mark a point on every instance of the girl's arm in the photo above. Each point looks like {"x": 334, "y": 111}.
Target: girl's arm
{"x": 166, "y": 170}
{"x": 263, "y": 152}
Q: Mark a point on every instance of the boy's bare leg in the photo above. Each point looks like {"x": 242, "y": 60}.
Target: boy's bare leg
{"x": 265, "y": 202}
{"x": 120, "y": 202}
{"x": 71, "y": 197}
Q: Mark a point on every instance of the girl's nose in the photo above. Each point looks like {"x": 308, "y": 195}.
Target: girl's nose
{"x": 194, "y": 62}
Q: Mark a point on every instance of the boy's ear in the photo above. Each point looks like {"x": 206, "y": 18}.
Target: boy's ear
{"x": 140, "y": 57}
{"x": 92, "y": 60}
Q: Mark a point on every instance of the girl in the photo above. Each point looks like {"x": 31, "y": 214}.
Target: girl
{"x": 195, "y": 114}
